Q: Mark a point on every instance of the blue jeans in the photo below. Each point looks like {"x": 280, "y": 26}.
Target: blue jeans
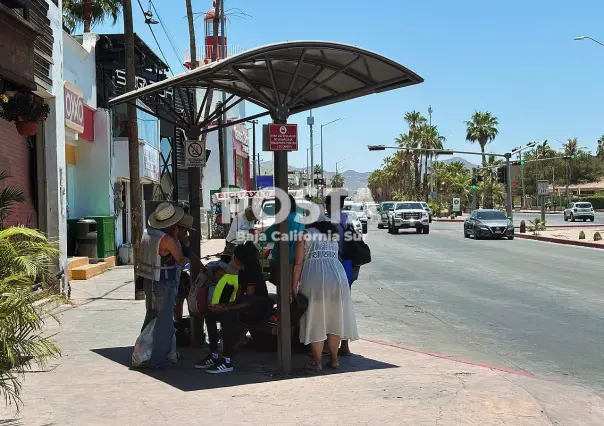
{"x": 164, "y": 296}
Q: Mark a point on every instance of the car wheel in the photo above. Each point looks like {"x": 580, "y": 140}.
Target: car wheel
{"x": 572, "y": 218}
{"x": 592, "y": 219}
{"x": 418, "y": 230}
{"x": 380, "y": 226}
{"x": 584, "y": 219}
{"x": 476, "y": 237}
{"x": 426, "y": 229}
{"x": 430, "y": 219}
{"x": 465, "y": 233}
{"x": 364, "y": 228}
{"x": 565, "y": 218}
{"x": 510, "y": 238}
{"x": 390, "y": 231}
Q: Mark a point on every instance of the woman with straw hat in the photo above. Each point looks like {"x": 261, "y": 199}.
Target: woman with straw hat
{"x": 161, "y": 260}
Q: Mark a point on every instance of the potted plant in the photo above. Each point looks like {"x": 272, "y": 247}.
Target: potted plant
{"x": 26, "y": 110}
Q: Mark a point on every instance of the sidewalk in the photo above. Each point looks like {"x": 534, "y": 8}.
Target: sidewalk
{"x": 383, "y": 384}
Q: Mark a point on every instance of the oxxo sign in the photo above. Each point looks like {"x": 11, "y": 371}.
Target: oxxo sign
{"x": 74, "y": 108}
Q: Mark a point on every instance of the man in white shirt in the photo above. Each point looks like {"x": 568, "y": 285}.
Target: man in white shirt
{"x": 243, "y": 223}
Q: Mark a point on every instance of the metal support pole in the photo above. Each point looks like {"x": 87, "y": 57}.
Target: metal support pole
{"x": 283, "y": 273}
{"x": 311, "y": 122}
{"x": 223, "y": 116}
{"x": 567, "y": 179}
{"x": 542, "y": 208}
{"x": 254, "y": 185}
{"x": 224, "y": 177}
{"x": 473, "y": 190}
{"x": 508, "y": 185}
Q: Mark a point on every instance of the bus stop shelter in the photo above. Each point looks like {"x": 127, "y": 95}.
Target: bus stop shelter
{"x": 283, "y": 79}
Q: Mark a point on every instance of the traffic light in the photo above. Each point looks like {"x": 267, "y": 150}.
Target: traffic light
{"x": 517, "y": 163}
{"x": 570, "y": 157}
{"x": 501, "y": 174}
{"x": 473, "y": 183}
{"x": 522, "y": 162}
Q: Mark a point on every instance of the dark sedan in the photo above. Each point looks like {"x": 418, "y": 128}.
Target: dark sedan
{"x": 488, "y": 224}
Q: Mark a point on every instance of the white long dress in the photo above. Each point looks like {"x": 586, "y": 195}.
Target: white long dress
{"x": 324, "y": 283}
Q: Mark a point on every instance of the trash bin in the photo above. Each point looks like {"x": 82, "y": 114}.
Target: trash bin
{"x": 105, "y": 229}
{"x": 87, "y": 240}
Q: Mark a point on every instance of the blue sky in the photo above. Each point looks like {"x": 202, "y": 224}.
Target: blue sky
{"x": 516, "y": 59}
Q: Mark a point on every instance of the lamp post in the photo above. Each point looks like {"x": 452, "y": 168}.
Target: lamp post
{"x": 338, "y": 162}
{"x": 310, "y": 120}
{"x": 589, "y": 38}
{"x": 324, "y": 125}
{"x": 310, "y": 168}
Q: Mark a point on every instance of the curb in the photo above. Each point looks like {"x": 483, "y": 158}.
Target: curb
{"x": 464, "y": 361}
{"x": 560, "y": 241}
{"x": 449, "y": 220}
{"x": 50, "y": 304}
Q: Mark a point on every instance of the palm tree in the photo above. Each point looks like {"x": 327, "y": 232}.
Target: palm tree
{"x": 318, "y": 169}
{"x": 571, "y": 147}
{"x": 600, "y": 148}
{"x": 482, "y": 128}
{"x": 89, "y": 13}
{"x": 415, "y": 120}
{"x": 337, "y": 181}
{"x": 430, "y": 139}
{"x": 26, "y": 258}
{"x": 192, "y": 42}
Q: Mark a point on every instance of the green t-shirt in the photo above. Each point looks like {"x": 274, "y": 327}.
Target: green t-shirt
{"x": 229, "y": 282}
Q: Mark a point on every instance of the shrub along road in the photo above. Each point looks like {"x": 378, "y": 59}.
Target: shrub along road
{"x": 517, "y": 304}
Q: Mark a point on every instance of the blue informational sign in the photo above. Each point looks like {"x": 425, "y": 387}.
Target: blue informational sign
{"x": 264, "y": 181}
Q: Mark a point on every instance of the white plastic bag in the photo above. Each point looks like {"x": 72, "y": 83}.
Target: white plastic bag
{"x": 144, "y": 346}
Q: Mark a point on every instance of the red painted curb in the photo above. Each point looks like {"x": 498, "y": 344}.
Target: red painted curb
{"x": 464, "y": 361}
{"x": 559, "y": 241}
{"x": 554, "y": 227}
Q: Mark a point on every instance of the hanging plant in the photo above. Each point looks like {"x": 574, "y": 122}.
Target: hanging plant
{"x": 26, "y": 110}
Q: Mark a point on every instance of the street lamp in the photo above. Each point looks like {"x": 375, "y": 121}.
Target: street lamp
{"x": 338, "y": 162}
{"x": 324, "y": 125}
{"x": 518, "y": 150}
{"x": 589, "y": 38}
{"x": 310, "y": 167}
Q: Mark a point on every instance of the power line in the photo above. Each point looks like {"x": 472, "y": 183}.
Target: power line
{"x": 169, "y": 36}
{"x": 155, "y": 38}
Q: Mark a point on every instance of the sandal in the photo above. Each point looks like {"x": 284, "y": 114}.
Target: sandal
{"x": 314, "y": 367}
{"x": 333, "y": 365}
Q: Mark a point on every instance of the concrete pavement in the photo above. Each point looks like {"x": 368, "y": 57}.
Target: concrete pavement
{"x": 382, "y": 384}
{"x": 521, "y": 304}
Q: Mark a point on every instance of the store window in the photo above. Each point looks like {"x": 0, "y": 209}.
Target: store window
{"x": 148, "y": 125}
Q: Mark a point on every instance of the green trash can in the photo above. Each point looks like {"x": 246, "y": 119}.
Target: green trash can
{"x": 72, "y": 236}
{"x": 105, "y": 228}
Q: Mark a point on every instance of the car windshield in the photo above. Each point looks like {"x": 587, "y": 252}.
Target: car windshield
{"x": 409, "y": 206}
{"x": 491, "y": 216}
{"x": 352, "y": 215}
{"x": 268, "y": 209}
{"x": 387, "y": 206}
{"x": 425, "y": 205}
{"x": 583, "y": 205}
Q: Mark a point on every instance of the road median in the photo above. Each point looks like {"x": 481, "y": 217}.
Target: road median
{"x": 566, "y": 236}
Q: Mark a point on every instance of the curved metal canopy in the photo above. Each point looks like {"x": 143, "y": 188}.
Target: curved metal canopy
{"x": 290, "y": 77}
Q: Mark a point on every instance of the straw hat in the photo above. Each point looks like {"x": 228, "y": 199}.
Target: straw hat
{"x": 186, "y": 222}
{"x": 165, "y": 215}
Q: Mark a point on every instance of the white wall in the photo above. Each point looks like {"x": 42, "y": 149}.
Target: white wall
{"x": 80, "y": 66}
{"x": 93, "y": 189}
{"x": 54, "y": 142}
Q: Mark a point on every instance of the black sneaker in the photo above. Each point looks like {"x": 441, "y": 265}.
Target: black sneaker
{"x": 220, "y": 367}
{"x": 207, "y": 362}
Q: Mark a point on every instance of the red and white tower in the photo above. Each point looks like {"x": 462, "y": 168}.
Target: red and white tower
{"x": 209, "y": 38}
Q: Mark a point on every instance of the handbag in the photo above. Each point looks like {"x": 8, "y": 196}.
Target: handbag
{"x": 355, "y": 249}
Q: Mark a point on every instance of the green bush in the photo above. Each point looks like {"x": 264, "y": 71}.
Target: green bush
{"x": 597, "y": 201}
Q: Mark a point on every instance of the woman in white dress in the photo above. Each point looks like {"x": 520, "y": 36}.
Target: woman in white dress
{"x": 319, "y": 275}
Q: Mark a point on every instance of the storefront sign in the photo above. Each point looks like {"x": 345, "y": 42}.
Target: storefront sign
{"x": 150, "y": 163}
{"x": 245, "y": 194}
{"x": 139, "y": 82}
{"x": 74, "y": 108}
{"x": 239, "y": 132}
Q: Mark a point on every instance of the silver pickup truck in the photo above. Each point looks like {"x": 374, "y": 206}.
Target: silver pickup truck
{"x": 408, "y": 214}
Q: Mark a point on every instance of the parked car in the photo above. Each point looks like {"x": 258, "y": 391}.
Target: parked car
{"x": 579, "y": 210}
{"x": 484, "y": 223}
{"x": 384, "y": 208}
{"x": 408, "y": 214}
{"x": 428, "y": 209}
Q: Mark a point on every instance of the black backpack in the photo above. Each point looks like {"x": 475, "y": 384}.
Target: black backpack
{"x": 355, "y": 249}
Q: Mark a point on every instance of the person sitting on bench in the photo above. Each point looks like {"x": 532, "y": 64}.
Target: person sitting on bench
{"x": 240, "y": 298}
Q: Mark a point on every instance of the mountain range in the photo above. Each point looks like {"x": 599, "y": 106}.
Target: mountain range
{"x": 353, "y": 180}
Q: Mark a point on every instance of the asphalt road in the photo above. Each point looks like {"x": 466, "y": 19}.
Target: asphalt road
{"x": 556, "y": 219}
{"x": 518, "y": 304}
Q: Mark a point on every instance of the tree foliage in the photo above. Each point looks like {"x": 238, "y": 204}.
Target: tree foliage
{"x": 89, "y": 13}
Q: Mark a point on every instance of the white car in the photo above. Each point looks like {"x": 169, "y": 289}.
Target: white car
{"x": 581, "y": 210}
{"x": 408, "y": 214}
{"x": 361, "y": 212}
{"x": 354, "y": 218}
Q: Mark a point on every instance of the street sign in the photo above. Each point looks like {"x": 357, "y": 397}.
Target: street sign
{"x": 282, "y": 137}
{"x": 542, "y": 187}
{"x": 457, "y": 205}
{"x": 433, "y": 195}
{"x": 194, "y": 154}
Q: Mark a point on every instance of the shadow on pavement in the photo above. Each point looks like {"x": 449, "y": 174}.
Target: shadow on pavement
{"x": 250, "y": 367}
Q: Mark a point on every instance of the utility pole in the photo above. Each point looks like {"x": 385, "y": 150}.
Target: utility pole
{"x": 254, "y": 122}
{"x": 522, "y": 180}
{"x": 135, "y": 181}
{"x": 311, "y": 121}
{"x": 473, "y": 190}
{"x": 508, "y": 185}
